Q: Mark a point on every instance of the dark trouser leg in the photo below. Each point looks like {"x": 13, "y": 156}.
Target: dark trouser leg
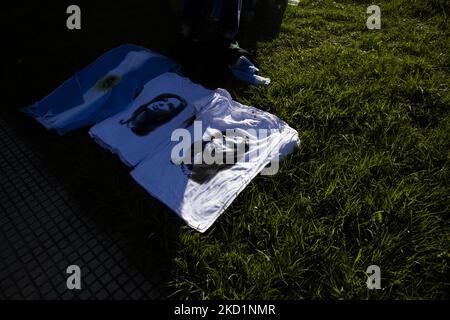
{"x": 248, "y": 9}
{"x": 191, "y": 14}
{"x": 230, "y": 18}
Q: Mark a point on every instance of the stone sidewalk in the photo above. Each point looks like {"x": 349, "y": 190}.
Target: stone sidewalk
{"x": 43, "y": 231}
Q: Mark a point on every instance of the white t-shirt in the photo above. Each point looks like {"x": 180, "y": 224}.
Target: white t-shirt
{"x": 199, "y": 193}
{"x": 165, "y": 104}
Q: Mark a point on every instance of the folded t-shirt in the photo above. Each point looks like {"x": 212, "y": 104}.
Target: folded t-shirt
{"x": 164, "y": 104}
{"x": 200, "y": 191}
{"x": 100, "y": 90}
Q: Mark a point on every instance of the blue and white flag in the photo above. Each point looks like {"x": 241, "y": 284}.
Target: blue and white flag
{"x": 104, "y": 88}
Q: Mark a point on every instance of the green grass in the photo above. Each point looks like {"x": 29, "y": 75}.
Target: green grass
{"x": 369, "y": 184}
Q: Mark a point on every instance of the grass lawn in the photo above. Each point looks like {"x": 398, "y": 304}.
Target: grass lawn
{"x": 370, "y": 183}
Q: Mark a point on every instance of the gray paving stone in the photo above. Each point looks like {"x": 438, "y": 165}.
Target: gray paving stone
{"x": 42, "y": 232}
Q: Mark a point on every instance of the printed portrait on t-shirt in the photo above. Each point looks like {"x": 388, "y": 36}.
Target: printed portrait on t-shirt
{"x": 203, "y": 172}
{"x": 108, "y": 82}
{"x": 155, "y": 113}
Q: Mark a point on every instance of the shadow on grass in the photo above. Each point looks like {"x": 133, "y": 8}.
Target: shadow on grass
{"x": 42, "y": 53}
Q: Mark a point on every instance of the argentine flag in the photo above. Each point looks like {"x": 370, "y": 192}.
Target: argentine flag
{"x": 102, "y": 89}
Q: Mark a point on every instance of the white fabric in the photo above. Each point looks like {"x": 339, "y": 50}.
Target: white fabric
{"x": 117, "y": 137}
{"x": 201, "y": 203}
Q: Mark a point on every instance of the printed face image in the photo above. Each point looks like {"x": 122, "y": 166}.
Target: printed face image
{"x": 157, "y": 112}
{"x": 107, "y": 83}
{"x": 203, "y": 172}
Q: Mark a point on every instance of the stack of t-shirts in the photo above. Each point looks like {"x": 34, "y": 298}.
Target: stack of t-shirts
{"x": 146, "y": 125}
{"x": 102, "y": 89}
{"x": 200, "y": 189}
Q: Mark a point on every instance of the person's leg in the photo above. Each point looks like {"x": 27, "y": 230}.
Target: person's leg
{"x": 248, "y": 9}
{"x": 191, "y": 15}
{"x": 230, "y": 17}
{"x": 223, "y": 51}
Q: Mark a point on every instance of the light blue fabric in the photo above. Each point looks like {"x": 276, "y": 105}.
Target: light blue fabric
{"x": 244, "y": 70}
{"x": 102, "y": 89}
